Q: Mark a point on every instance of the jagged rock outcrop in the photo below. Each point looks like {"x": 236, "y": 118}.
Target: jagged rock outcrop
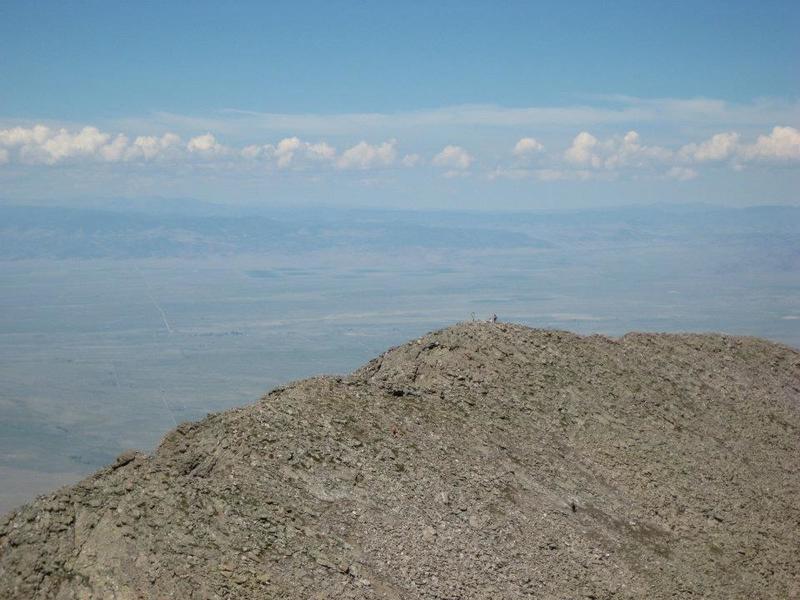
{"x": 480, "y": 461}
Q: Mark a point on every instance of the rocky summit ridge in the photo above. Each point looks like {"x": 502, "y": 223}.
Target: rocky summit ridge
{"x": 479, "y": 461}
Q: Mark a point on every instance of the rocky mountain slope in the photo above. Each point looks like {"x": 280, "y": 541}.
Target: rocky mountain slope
{"x": 480, "y": 461}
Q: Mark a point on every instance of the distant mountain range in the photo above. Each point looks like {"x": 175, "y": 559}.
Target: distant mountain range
{"x": 181, "y": 229}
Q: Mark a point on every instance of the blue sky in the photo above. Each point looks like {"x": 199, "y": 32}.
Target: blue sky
{"x": 412, "y": 104}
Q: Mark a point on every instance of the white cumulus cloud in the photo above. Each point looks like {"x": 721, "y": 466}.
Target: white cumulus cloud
{"x": 206, "y": 145}
{"x": 616, "y": 152}
{"x": 582, "y": 150}
{"x": 366, "y": 156}
{"x": 285, "y": 150}
{"x": 62, "y": 144}
{"x": 42, "y": 145}
{"x": 583, "y": 157}
{"x": 630, "y": 152}
{"x": 22, "y": 136}
{"x": 115, "y": 150}
{"x": 719, "y": 147}
{"x": 321, "y": 151}
{"x": 527, "y": 146}
{"x": 783, "y": 143}
{"x": 290, "y": 152}
{"x": 87, "y": 142}
{"x": 150, "y": 147}
{"x": 453, "y": 157}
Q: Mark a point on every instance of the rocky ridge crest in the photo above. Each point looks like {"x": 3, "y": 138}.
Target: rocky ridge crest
{"x": 480, "y": 461}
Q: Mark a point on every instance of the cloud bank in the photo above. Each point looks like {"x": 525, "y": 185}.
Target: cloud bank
{"x": 581, "y": 155}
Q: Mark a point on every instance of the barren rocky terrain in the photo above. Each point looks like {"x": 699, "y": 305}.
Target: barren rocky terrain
{"x": 480, "y": 461}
